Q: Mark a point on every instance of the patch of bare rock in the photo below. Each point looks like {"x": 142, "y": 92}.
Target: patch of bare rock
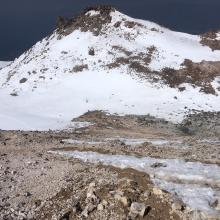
{"x": 211, "y": 39}
{"x": 86, "y": 21}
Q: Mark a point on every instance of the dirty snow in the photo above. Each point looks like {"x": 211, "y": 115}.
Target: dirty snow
{"x": 197, "y": 184}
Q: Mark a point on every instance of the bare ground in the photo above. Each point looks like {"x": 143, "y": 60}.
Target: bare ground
{"x": 35, "y": 184}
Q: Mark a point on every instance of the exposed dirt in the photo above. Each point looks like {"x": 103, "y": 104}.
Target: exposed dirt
{"x": 138, "y": 62}
{"x": 38, "y": 185}
{"x": 197, "y": 74}
{"x": 210, "y": 39}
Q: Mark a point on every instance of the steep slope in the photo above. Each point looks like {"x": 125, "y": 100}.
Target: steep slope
{"x": 105, "y": 60}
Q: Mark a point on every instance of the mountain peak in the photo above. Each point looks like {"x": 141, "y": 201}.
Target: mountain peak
{"x": 91, "y": 19}
{"x": 105, "y": 60}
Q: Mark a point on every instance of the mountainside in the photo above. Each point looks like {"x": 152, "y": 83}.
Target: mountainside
{"x": 105, "y": 60}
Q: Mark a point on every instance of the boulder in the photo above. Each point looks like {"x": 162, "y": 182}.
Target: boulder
{"x": 138, "y": 209}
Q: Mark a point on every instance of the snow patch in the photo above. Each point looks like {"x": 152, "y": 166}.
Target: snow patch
{"x": 93, "y": 13}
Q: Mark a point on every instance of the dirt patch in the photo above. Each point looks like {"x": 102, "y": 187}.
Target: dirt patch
{"x": 110, "y": 200}
{"x": 102, "y": 119}
{"x": 210, "y": 39}
{"x": 138, "y": 63}
{"x": 80, "y": 68}
{"x": 121, "y": 49}
{"x": 197, "y": 74}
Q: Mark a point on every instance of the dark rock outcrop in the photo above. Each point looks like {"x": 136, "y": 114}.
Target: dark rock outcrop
{"x": 210, "y": 39}
{"x": 86, "y": 21}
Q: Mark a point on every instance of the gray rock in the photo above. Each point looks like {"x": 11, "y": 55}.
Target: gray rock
{"x": 157, "y": 165}
{"x": 216, "y": 204}
{"x": 100, "y": 207}
{"x": 178, "y": 205}
{"x": 138, "y": 209}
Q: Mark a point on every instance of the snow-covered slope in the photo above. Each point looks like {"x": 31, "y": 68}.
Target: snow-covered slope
{"x": 103, "y": 60}
{"x": 4, "y": 64}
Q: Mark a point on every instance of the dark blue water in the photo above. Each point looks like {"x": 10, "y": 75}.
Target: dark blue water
{"x": 24, "y": 22}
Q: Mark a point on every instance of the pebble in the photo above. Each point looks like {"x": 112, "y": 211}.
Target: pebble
{"x": 100, "y": 207}
{"x": 27, "y": 194}
{"x": 13, "y": 172}
{"x": 157, "y": 191}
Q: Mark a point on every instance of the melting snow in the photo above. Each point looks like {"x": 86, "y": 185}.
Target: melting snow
{"x": 197, "y": 184}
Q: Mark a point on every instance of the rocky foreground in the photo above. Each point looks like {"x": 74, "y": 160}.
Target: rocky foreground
{"x": 36, "y": 184}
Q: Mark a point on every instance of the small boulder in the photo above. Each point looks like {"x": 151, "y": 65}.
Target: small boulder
{"x": 91, "y": 51}
{"x": 138, "y": 209}
{"x": 178, "y": 205}
{"x": 158, "y": 165}
{"x": 157, "y": 191}
{"x": 23, "y": 80}
{"x": 100, "y": 207}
